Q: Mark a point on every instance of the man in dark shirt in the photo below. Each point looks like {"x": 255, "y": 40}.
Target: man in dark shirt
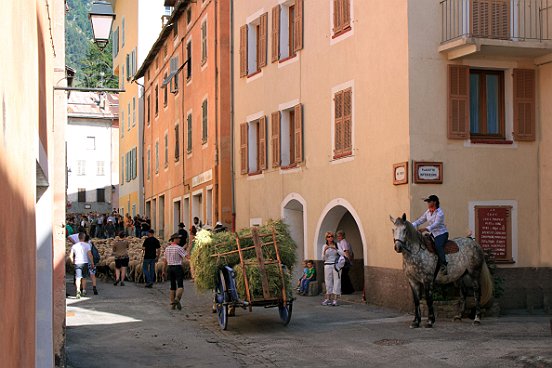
{"x": 184, "y": 235}
{"x": 151, "y": 248}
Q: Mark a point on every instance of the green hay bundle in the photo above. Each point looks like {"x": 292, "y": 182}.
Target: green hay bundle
{"x": 255, "y": 284}
{"x": 206, "y": 244}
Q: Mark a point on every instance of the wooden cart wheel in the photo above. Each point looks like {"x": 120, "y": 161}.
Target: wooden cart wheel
{"x": 285, "y": 312}
{"x": 220, "y": 301}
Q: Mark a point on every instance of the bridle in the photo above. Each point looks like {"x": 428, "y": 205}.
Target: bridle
{"x": 403, "y": 244}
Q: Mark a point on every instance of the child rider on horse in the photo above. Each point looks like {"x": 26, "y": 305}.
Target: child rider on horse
{"x": 436, "y": 219}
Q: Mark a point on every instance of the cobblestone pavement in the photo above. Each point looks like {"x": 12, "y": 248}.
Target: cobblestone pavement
{"x": 132, "y": 326}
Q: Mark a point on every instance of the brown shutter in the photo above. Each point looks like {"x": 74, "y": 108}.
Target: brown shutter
{"x": 345, "y": 14}
{"x": 524, "y": 104}
{"x": 276, "y": 33}
{"x": 458, "y": 102}
{"x": 262, "y": 143}
{"x": 275, "y": 138}
{"x": 298, "y": 26}
{"x": 243, "y": 51}
{"x": 338, "y": 129}
{"x": 243, "y": 148}
{"x": 263, "y": 29}
{"x": 347, "y": 121}
{"x": 500, "y": 19}
{"x": 337, "y": 16}
{"x": 480, "y": 18}
{"x": 298, "y": 134}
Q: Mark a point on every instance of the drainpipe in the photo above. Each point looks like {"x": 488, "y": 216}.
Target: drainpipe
{"x": 232, "y": 181}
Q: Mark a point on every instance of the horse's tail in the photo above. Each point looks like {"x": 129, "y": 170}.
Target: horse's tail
{"x": 486, "y": 284}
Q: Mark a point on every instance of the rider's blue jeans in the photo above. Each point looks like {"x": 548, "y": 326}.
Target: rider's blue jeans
{"x": 440, "y": 242}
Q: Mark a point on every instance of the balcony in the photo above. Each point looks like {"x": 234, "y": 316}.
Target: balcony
{"x": 511, "y": 28}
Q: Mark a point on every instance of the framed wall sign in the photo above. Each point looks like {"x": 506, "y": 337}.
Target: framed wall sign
{"x": 400, "y": 173}
{"x": 428, "y": 172}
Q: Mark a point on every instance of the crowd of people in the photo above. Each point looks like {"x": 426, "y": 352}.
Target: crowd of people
{"x": 107, "y": 225}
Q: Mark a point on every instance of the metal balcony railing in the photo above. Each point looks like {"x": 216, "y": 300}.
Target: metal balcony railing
{"x": 514, "y": 20}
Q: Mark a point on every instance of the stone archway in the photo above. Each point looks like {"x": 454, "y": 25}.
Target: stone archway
{"x": 294, "y": 215}
{"x": 340, "y": 215}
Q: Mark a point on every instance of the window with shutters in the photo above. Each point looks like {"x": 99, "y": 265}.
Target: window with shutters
{"x": 177, "y": 142}
{"x": 166, "y": 150}
{"x": 148, "y": 167}
{"x": 157, "y": 157}
{"x": 122, "y": 128}
{"x": 204, "y": 126}
{"x": 129, "y": 116}
{"x": 128, "y": 166}
{"x": 123, "y": 76}
{"x": 123, "y": 38}
{"x": 156, "y": 100}
{"x": 287, "y": 30}
{"x": 134, "y": 163}
{"x": 133, "y": 111}
{"x": 115, "y": 40}
{"x": 165, "y": 92}
{"x": 490, "y": 18}
{"x": 486, "y": 104}
{"x": 174, "y": 75}
{"x": 189, "y": 143}
{"x": 287, "y": 137}
{"x": 100, "y": 195}
{"x": 341, "y": 16}
{"x": 204, "y": 42}
{"x": 477, "y": 105}
{"x": 100, "y": 168}
{"x": 81, "y": 167}
{"x": 81, "y": 196}
{"x": 148, "y": 109}
{"x": 253, "y": 46}
{"x": 343, "y": 123}
{"x": 189, "y": 65}
{"x": 122, "y": 163}
{"x": 253, "y": 146}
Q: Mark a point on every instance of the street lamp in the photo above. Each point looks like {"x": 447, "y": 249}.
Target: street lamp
{"x": 101, "y": 17}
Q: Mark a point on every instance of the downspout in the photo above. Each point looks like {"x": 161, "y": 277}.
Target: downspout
{"x": 232, "y": 181}
{"x": 217, "y": 186}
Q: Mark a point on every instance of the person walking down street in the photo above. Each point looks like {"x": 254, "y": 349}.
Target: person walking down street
{"x": 129, "y": 225}
{"x": 120, "y": 252}
{"x": 436, "y": 219}
{"x": 345, "y": 247}
{"x": 100, "y": 226}
{"x": 81, "y": 256}
{"x": 92, "y": 265}
{"x": 145, "y": 228}
{"x": 151, "y": 249}
{"x": 184, "y": 235}
{"x": 137, "y": 225}
{"x": 110, "y": 228}
{"x": 332, "y": 277}
{"x": 174, "y": 254}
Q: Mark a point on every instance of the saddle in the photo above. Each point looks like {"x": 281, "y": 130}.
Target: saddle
{"x": 450, "y": 246}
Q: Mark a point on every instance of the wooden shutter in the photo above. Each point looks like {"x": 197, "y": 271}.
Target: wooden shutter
{"x": 243, "y": 148}
{"x": 458, "y": 108}
{"x": 263, "y": 29}
{"x": 337, "y": 16}
{"x": 345, "y": 14}
{"x": 275, "y": 138}
{"x": 243, "y": 51}
{"x": 276, "y": 33}
{"x": 338, "y": 121}
{"x": 524, "y": 104}
{"x": 500, "y": 19}
{"x": 347, "y": 121}
{"x": 480, "y": 18}
{"x": 298, "y": 133}
{"x": 298, "y": 26}
{"x": 262, "y": 143}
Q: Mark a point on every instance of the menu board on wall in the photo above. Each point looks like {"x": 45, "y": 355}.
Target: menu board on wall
{"x": 493, "y": 230}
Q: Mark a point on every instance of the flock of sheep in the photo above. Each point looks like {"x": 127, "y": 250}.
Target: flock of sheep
{"x": 105, "y": 269}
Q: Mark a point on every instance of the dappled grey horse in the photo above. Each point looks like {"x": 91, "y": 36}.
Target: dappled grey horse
{"x": 465, "y": 267}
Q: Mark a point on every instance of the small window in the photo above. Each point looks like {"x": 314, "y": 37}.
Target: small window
{"x": 81, "y": 167}
{"x": 128, "y": 116}
{"x": 343, "y": 142}
{"x": 149, "y": 164}
{"x": 189, "y": 145}
{"x": 133, "y": 111}
{"x": 253, "y": 45}
{"x": 123, "y": 33}
{"x": 81, "y": 195}
{"x": 100, "y": 195}
{"x": 100, "y": 168}
{"x": 486, "y": 104}
{"x": 122, "y": 163}
{"x": 156, "y": 157}
{"x": 166, "y": 149}
{"x": 253, "y": 146}
{"x": 287, "y": 137}
{"x": 176, "y": 142}
{"x": 148, "y": 107}
{"x": 156, "y": 100}
{"x": 189, "y": 65}
{"x": 91, "y": 143}
{"x": 204, "y": 122}
{"x": 204, "y": 42}
{"x": 165, "y": 92}
{"x": 341, "y": 16}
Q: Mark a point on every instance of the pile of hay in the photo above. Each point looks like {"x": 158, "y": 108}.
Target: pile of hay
{"x": 255, "y": 285}
{"x": 205, "y": 266}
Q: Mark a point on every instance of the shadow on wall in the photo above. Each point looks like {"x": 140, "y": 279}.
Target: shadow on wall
{"x": 17, "y": 288}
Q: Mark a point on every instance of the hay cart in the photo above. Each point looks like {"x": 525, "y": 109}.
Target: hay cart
{"x": 227, "y": 296}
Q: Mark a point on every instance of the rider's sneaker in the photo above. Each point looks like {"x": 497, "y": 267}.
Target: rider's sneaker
{"x": 326, "y": 302}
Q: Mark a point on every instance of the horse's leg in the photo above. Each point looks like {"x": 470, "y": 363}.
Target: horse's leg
{"x": 429, "y": 300}
{"x": 461, "y": 286}
{"x": 417, "y": 295}
{"x": 477, "y": 296}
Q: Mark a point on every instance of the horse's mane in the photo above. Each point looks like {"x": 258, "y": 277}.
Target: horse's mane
{"x": 413, "y": 234}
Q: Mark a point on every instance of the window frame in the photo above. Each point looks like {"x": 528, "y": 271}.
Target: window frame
{"x": 482, "y": 113}
{"x": 189, "y": 120}
{"x": 204, "y": 45}
{"x": 204, "y": 121}
{"x": 343, "y": 25}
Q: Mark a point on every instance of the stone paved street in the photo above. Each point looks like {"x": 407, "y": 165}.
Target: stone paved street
{"x": 133, "y": 327}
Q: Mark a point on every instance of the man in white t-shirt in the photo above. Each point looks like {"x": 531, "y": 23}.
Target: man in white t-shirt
{"x": 81, "y": 255}
{"x": 74, "y": 239}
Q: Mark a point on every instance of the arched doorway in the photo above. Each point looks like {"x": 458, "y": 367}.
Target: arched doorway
{"x": 340, "y": 215}
{"x": 294, "y": 215}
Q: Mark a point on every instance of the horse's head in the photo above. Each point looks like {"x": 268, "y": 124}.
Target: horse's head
{"x": 400, "y": 233}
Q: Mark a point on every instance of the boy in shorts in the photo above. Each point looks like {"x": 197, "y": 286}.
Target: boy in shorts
{"x": 81, "y": 256}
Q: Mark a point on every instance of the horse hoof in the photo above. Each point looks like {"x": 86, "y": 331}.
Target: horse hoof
{"x": 415, "y": 325}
